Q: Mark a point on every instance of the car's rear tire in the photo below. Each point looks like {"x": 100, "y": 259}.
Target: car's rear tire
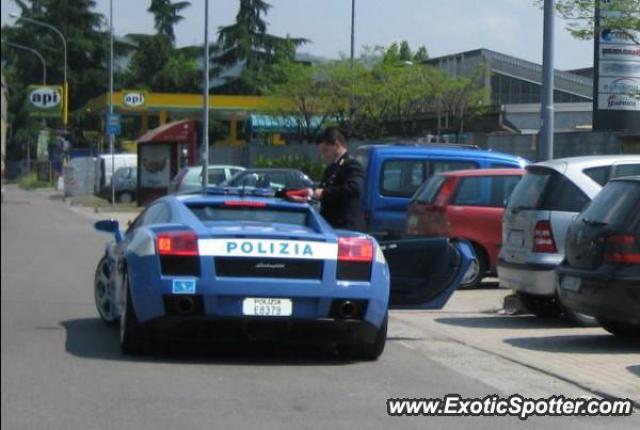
{"x": 125, "y": 197}
{"x": 368, "y": 351}
{"x": 621, "y": 329}
{"x": 540, "y": 306}
{"x": 132, "y": 339}
{"x": 103, "y": 292}
{"x": 477, "y": 269}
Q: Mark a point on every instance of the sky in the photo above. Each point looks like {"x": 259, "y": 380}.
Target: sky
{"x": 444, "y": 27}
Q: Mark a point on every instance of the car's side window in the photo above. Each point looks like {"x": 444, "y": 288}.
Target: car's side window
{"x": 402, "y": 178}
{"x": 470, "y": 192}
{"x": 216, "y": 176}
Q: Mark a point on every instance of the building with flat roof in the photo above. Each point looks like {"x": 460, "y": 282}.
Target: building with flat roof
{"x": 515, "y": 88}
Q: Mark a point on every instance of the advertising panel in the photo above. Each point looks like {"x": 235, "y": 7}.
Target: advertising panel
{"x": 155, "y": 166}
{"x": 45, "y": 100}
{"x": 133, "y": 99}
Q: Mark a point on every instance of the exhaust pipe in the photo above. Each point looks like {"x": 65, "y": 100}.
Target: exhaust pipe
{"x": 185, "y": 305}
{"x": 347, "y": 309}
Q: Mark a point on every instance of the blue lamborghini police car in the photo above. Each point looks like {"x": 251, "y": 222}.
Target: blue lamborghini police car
{"x": 228, "y": 266}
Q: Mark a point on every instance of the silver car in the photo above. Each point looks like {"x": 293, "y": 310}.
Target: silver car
{"x": 189, "y": 179}
{"x": 536, "y": 220}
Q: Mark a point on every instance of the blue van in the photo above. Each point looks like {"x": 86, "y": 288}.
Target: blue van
{"x": 395, "y": 171}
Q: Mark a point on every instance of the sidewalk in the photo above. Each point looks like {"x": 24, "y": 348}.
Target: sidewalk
{"x": 590, "y": 358}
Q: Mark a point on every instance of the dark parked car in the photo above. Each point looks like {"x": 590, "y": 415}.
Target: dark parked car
{"x": 600, "y": 274}
{"x": 276, "y": 179}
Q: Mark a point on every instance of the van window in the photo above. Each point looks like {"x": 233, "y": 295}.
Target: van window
{"x": 439, "y": 166}
{"x": 401, "y": 178}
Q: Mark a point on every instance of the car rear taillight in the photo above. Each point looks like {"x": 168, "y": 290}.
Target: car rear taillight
{"x": 358, "y": 249}
{"x": 622, "y": 249}
{"x": 177, "y": 243}
{"x": 543, "y": 238}
{"x": 355, "y": 257}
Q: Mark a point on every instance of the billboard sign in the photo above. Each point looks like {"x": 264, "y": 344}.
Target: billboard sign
{"x": 45, "y": 100}
{"x": 133, "y": 99}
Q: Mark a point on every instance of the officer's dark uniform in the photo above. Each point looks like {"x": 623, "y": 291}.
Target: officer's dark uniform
{"x": 343, "y": 187}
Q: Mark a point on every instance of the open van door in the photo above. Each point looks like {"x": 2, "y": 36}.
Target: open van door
{"x": 425, "y": 271}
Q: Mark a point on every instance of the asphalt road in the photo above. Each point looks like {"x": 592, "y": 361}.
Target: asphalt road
{"x": 62, "y": 368}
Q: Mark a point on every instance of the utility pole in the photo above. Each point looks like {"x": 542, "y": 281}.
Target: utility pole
{"x": 545, "y": 144}
{"x": 205, "y": 99}
{"x": 111, "y": 149}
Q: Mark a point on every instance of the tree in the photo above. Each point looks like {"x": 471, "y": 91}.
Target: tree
{"x": 167, "y": 15}
{"x": 421, "y": 55}
{"x": 158, "y": 66}
{"x": 405, "y": 51}
{"x": 87, "y": 46}
{"x": 301, "y": 94}
{"x": 247, "y": 42}
{"x": 621, "y": 15}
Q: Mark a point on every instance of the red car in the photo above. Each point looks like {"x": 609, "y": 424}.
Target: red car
{"x": 465, "y": 204}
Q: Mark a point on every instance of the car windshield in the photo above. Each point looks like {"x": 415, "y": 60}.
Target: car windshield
{"x": 615, "y": 205}
{"x": 209, "y": 213}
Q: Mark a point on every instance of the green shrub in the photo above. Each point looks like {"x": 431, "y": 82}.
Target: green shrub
{"x": 30, "y": 182}
{"x": 313, "y": 169}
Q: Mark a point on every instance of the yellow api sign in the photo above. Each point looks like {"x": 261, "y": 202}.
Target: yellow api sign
{"x": 45, "y": 100}
{"x": 132, "y": 99}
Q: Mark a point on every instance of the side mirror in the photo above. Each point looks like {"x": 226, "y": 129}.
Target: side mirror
{"x": 109, "y": 226}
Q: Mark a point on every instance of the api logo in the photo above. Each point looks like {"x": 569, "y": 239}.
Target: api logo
{"x": 184, "y": 286}
{"x": 133, "y": 99}
{"x": 45, "y": 97}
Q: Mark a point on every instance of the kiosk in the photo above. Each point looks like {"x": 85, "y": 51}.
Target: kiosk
{"x": 161, "y": 153}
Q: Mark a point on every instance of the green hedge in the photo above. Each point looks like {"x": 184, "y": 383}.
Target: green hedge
{"x": 30, "y": 182}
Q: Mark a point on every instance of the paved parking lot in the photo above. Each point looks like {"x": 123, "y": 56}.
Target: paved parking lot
{"x": 578, "y": 360}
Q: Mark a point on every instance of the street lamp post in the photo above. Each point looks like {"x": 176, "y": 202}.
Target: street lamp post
{"x": 44, "y": 82}
{"x": 113, "y": 187}
{"x": 65, "y": 114}
{"x": 33, "y": 51}
{"x": 205, "y": 99}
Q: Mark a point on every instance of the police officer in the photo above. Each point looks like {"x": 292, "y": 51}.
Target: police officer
{"x": 341, "y": 189}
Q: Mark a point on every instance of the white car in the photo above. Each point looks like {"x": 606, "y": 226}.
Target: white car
{"x": 189, "y": 179}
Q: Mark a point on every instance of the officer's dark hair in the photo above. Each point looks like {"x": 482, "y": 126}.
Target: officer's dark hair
{"x": 331, "y": 136}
